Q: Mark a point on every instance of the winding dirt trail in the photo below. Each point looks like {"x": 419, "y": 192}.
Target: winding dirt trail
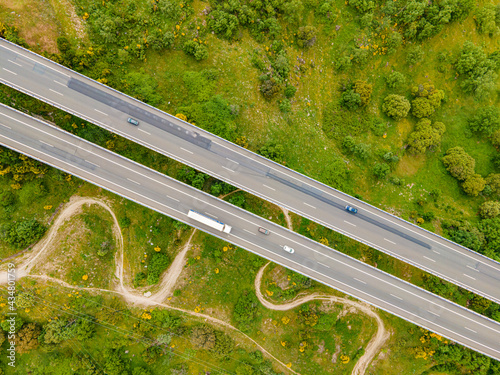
{"x": 374, "y": 345}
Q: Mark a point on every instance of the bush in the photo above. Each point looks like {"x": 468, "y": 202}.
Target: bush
{"x": 458, "y": 163}
{"x": 348, "y": 144}
{"x": 473, "y": 184}
{"x": 394, "y": 42}
{"x": 273, "y": 151}
{"x": 396, "y": 106}
{"x": 195, "y": 49}
{"x": 415, "y": 55}
{"x": 364, "y": 90}
{"x": 285, "y": 106}
{"x": 158, "y": 263}
{"x": 290, "y": 91}
{"x": 381, "y": 170}
{"x": 269, "y": 88}
{"x": 24, "y": 233}
{"x": 350, "y": 100}
{"x": 245, "y": 310}
{"x": 306, "y": 36}
{"x": 489, "y": 209}
{"x": 486, "y": 121}
{"x": 395, "y": 80}
{"x": 222, "y": 23}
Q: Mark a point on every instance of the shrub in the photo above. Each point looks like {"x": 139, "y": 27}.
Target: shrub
{"x": 273, "y": 151}
{"x": 350, "y": 100}
{"x": 487, "y": 19}
{"x": 396, "y": 106}
{"x": 306, "y": 36}
{"x": 394, "y": 42}
{"x": 269, "y": 88}
{"x": 290, "y": 91}
{"x": 24, "y": 233}
{"x": 245, "y": 310}
{"x": 415, "y": 55}
{"x": 422, "y": 107}
{"x": 158, "y": 263}
{"x": 381, "y": 170}
{"x": 285, "y": 106}
{"x": 195, "y": 49}
{"x": 364, "y": 90}
{"x": 395, "y": 80}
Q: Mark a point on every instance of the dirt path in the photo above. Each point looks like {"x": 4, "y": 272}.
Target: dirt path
{"x": 287, "y": 218}
{"x": 374, "y": 346}
{"x": 170, "y": 277}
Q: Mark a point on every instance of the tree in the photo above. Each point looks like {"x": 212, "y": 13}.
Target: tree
{"x": 395, "y": 80}
{"x": 203, "y": 337}
{"x": 478, "y": 70}
{"x": 159, "y": 40}
{"x": 56, "y": 331}
{"x": 290, "y": 91}
{"x": 364, "y": 90}
{"x": 396, "y": 106}
{"x": 223, "y": 23}
{"x": 27, "y": 338}
{"x": 473, "y": 184}
{"x": 169, "y": 9}
{"x": 489, "y": 209}
{"x": 306, "y": 36}
{"x": 82, "y": 328}
{"x": 394, "y": 42}
{"x": 143, "y": 87}
{"x": 415, "y": 55}
{"x": 381, "y": 170}
{"x": 460, "y": 164}
{"x": 486, "y": 120}
{"x": 421, "y": 107}
{"x": 493, "y": 180}
{"x": 425, "y": 136}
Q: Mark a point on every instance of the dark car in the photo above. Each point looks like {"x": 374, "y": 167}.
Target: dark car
{"x": 351, "y": 209}
{"x": 263, "y": 230}
{"x": 133, "y": 121}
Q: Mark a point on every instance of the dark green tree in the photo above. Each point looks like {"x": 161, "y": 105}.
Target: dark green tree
{"x": 486, "y": 120}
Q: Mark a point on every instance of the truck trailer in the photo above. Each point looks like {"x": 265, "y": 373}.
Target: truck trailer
{"x": 207, "y": 220}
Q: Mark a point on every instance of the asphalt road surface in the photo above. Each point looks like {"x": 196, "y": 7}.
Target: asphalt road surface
{"x": 161, "y": 193}
{"x": 76, "y": 94}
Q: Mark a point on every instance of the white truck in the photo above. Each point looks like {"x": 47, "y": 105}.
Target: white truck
{"x": 207, "y": 220}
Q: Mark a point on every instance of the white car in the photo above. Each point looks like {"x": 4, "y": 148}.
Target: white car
{"x": 289, "y": 249}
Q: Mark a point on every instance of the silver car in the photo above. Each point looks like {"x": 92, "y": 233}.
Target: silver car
{"x": 289, "y": 249}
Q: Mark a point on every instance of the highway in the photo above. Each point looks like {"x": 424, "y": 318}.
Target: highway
{"x": 103, "y": 106}
{"x": 161, "y": 193}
